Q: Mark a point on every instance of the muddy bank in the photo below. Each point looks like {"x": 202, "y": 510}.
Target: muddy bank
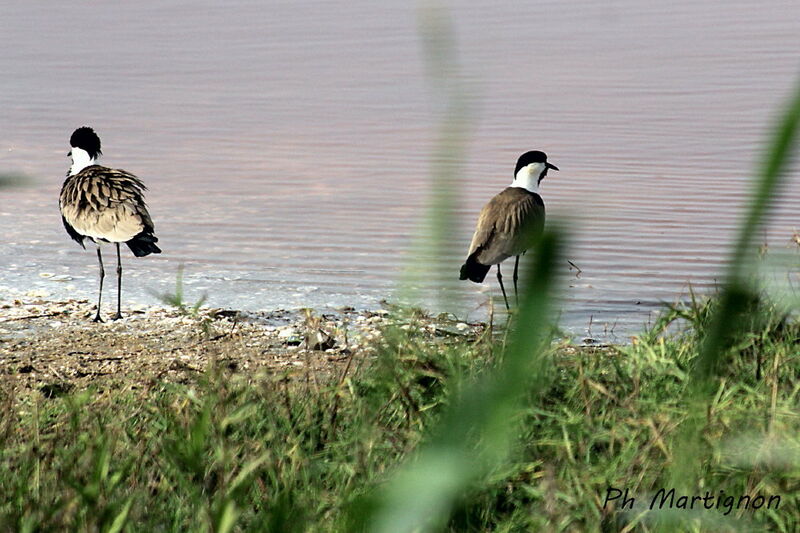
{"x": 54, "y": 347}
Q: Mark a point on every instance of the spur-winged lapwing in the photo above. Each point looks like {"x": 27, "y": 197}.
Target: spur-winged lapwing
{"x": 510, "y": 223}
{"x": 105, "y": 205}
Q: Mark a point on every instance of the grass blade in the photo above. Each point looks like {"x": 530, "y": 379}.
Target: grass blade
{"x": 477, "y": 431}
{"x": 734, "y": 301}
{"x": 121, "y": 518}
{"x": 735, "y": 293}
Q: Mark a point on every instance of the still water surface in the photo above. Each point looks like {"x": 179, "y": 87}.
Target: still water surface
{"x": 288, "y": 145}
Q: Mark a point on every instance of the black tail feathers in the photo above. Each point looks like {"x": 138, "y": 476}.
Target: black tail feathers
{"x": 144, "y": 244}
{"x": 474, "y": 271}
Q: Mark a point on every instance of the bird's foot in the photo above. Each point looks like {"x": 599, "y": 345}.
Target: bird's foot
{"x": 117, "y": 316}
{"x": 97, "y": 318}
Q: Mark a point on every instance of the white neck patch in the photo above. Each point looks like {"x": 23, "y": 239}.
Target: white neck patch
{"x": 528, "y": 177}
{"x": 80, "y": 160}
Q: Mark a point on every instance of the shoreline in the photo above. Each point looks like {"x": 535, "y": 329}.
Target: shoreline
{"x": 56, "y": 348}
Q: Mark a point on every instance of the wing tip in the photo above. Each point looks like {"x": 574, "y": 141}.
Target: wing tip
{"x": 473, "y": 270}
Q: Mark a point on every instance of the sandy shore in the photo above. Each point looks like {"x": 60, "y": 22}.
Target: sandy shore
{"x": 55, "y": 347}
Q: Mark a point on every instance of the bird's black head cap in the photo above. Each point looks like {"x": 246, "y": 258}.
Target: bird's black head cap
{"x": 87, "y": 139}
{"x": 534, "y": 156}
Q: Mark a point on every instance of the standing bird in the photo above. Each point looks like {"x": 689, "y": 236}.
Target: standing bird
{"x": 105, "y": 205}
{"x": 510, "y": 223}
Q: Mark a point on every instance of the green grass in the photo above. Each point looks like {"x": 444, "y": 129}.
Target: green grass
{"x": 225, "y": 455}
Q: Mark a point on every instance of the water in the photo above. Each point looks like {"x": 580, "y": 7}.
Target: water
{"x": 288, "y": 147}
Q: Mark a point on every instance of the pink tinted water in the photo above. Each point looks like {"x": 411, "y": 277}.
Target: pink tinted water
{"x": 288, "y": 146}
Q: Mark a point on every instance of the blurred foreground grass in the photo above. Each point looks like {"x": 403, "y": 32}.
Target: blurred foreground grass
{"x": 234, "y": 454}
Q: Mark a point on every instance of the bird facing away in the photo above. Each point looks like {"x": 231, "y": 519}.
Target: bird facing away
{"x": 510, "y": 223}
{"x": 104, "y": 205}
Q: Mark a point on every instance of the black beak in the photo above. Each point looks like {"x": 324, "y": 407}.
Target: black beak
{"x": 548, "y": 165}
{"x": 69, "y": 154}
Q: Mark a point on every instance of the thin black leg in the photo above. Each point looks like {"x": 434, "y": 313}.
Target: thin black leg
{"x": 500, "y": 279}
{"x": 119, "y": 285}
{"x": 516, "y": 267}
{"x": 100, "y": 294}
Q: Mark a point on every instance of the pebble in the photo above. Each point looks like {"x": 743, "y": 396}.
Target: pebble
{"x": 37, "y": 293}
{"x": 287, "y": 332}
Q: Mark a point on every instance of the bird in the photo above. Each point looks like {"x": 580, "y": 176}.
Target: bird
{"x": 510, "y": 223}
{"x": 104, "y": 205}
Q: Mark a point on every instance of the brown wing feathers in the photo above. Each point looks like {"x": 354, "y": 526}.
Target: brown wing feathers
{"x": 508, "y": 225}
{"x": 108, "y": 204}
